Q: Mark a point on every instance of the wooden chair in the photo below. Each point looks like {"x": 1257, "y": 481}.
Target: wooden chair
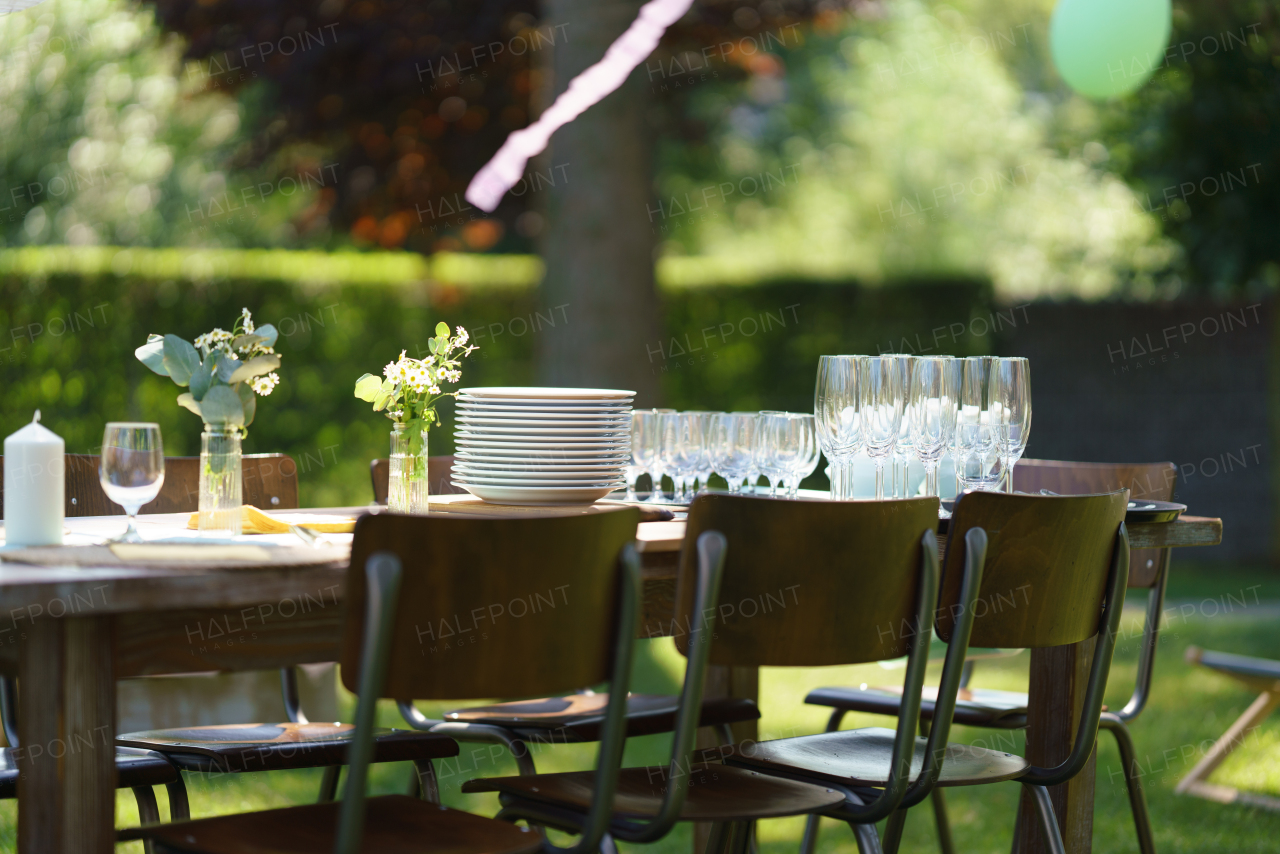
{"x": 578, "y": 581}
{"x": 439, "y": 473}
{"x": 1008, "y": 709}
{"x": 1054, "y": 573}
{"x": 270, "y": 482}
{"x": 805, "y": 583}
{"x": 1257, "y": 674}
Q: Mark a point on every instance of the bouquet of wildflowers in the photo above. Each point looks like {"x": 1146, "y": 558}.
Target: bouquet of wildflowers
{"x": 225, "y": 371}
{"x": 409, "y": 388}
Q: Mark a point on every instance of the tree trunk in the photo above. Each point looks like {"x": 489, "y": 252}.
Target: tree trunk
{"x": 598, "y": 243}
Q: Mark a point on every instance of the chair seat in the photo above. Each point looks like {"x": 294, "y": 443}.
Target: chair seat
{"x": 280, "y": 747}
{"x": 716, "y": 793}
{"x": 974, "y": 706}
{"x": 394, "y": 824}
{"x": 863, "y": 757}
{"x": 578, "y": 717}
{"x": 132, "y": 770}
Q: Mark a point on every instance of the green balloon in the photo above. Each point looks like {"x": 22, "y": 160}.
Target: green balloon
{"x": 1106, "y": 48}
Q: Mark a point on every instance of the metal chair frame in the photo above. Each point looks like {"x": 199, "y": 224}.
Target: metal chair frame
{"x": 1037, "y": 779}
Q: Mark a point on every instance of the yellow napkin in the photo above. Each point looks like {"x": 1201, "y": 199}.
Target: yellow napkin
{"x": 254, "y": 521}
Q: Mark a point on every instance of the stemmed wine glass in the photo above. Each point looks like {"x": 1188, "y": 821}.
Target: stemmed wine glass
{"x": 933, "y": 413}
{"x": 902, "y": 448}
{"x": 1010, "y": 408}
{"x": 131, "y": 469}
{"x": 764, "y": 456}
{"x": 807, "y": 460}
{"x": 881, "y": 413}
{"x": 702, "y": 466}
{"x": 836, "y": 405}
{"x": 733, "y": 436}
{"x": 975, "y": 440}
{"x": 646, "y": 443}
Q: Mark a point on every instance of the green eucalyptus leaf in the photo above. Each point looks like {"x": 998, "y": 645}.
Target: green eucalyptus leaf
{"x": 203, "y": 376}
{"x": 256, "y": 366}
{"x": 442, "y": 330}
{"x": 151, "y": 354}
{"x": 368, "y": 387}
{"x": 268, "y": 334}
{"x": 249, "y": 401}
{"x": 240, "y": 342}
{"x": 186, "y": 401}
{"x": 227, "y": 365}
{"x": 222, "y": 406}
{"x": 180, "y": 359}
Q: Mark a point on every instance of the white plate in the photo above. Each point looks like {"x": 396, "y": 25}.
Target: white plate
{"x": 622, "y": 447}
{"x": 543, "y": 457}
{"x": 526, "y": 466}
{"x": 475, "y": 406}
{"x": 540, "y": 432}
{"x": 533, "y": 495}
{"x": 534, "y": 478}
{"x": 546, "y": 393}
{"x": 620, "y": 425}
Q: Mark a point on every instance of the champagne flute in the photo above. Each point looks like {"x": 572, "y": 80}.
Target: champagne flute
{"x": 882, "y": 413}
{"x": 733, "y": 437}
{"x": 803, "y": 425}
{"x": 836, "y": 404}
{"x": 645, "y": 446}
{"x": 1011, "y": 410}
{"x": 974, "y": 437}
{"x": 902, "y": 448}
{"x": 933, "y": 414}
{"x": 131, "y": 469}
{"x": 764, "y": 451}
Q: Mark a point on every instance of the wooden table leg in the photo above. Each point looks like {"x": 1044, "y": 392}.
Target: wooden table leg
{"x": 1059, "y": 677}
{"x": 66, "y": 733}
{"x": 741, "y": 682}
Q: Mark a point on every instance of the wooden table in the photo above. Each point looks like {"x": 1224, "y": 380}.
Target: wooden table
{"x": 69, "y": 632}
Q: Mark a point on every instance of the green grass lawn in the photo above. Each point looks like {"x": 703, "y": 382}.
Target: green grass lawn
{"x": 1189, "y": 708}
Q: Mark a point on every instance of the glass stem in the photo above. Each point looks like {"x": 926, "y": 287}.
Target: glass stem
{"x": 1008, "y": 473}
{"x": 931, "y": 479}
{"x": 879, "y": 479}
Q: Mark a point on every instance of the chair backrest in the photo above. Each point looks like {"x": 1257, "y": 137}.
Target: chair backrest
{"x": 809, "y": 583}
{"x": 1151, "y": 481}
{"x": 1048, "y": 565}
{"x": 492, "y": 607}
{"x": 439, "y": 474}
{"x": 269, "y": 481}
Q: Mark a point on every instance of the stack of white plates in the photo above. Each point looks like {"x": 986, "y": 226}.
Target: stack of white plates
{"x": 542, "y": 445}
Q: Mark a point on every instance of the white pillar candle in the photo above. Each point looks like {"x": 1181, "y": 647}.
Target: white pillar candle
{"x": 34, "y": 486}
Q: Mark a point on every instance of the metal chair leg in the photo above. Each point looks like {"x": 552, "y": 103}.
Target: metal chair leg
{"x": 607, "y": 845}
{"x": 179, "y": 803}
{"x": 1132, "y": 781}
{"x": 867, "y": 838}
{"x": 329, "y": 784}
{"x": 148, "y": 811}
{"x": 1048, "y": 821}
{"x": 429, "y": 788}
{"x": 724, "y": 733}
{"x": 946, "y": 844}
{"x": 809, "y": 842}
{"x": 893, "y": 827}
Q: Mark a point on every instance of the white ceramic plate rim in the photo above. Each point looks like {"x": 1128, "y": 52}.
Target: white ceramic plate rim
{"x": 548, "y": 402}
{"x": 501, "y": 466}
{"x": 622, "y": 425}
{"x": 534, "y": 480}
{"x": 534, "y": 443}
{"x": 604, "y": 483}
{"x": 535, "y": 496}
{"x": 539, "y": 432}
{"x": 554, "y": 457}
{"x": 540, "y": 412}
{"x": 546, "y": 392}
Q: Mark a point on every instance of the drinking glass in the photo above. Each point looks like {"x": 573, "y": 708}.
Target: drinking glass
{"x": 933, "y": 414}
{"x": 765, "y": 453}
{"x": 902, "y": 448}
{"x": 657, "y": 465}
{"x": 669, "y": 455}
{"x": 131, "y": 469}
{"x": 702, "y": 466}
{"x": 784, "y": 440}
{"x": 882, "y": 413}
{"x": 807, "y": 460}
{"x": 975, "y": 440}
{"x": 1010, "y": 405}
{"x": 836, "y": 405}
{"x": 733, "y": 436}
{"x": 757, "y": 453}
{"x": 645, "y": 444}
{"x": 956, "y": 367}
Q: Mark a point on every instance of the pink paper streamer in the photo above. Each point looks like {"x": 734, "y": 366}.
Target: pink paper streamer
{"x": 506, "y": 168}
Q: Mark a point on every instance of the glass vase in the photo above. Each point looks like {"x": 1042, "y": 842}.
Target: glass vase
{"x": 221, "y": 491}
{"x": 409, "y": 485}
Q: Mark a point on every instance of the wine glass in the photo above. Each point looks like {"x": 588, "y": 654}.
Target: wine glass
{"x": 881, "y": 413}
{"x": 765, "y": 454}
{"x": 975, "y": 440}
{"x": 933, "y": 414}
{"x": 645, "y": 435}
{"x": 131, "y": 469}
{"x": 754, "y": 468}
{"x": 803, "y": 424}
{"x": 703, "y": 466}
{"x": 1011, "y": 410}
{"x": 902, "y": 448}
{"x": 733, "y": 437}
{"x": 658, "y": 465}
{"x": 836, "y": 404}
